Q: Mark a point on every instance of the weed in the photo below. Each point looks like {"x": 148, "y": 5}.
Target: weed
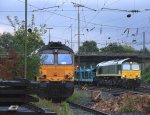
{"x": 80, "y": 97}
{"x": 59, "y": 108}
{"x": 76, "y": 95}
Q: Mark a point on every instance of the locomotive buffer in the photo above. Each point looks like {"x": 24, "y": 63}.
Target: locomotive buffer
{"x": 15, "y": 98}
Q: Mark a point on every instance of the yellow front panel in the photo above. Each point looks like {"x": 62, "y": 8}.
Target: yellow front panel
{"x": 57, "y": 73}
{"x": 131, "y": 74}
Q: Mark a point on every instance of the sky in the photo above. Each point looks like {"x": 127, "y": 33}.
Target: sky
{"x": 103, "y": 25}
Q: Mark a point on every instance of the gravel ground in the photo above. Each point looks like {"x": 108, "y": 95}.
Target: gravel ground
{"x": 87, "y": 101}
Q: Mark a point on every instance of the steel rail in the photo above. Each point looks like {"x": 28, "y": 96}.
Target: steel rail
{"x": 96, "y": 112}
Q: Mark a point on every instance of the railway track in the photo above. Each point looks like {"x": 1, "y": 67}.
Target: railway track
{"x": 110, "y": 94}
{"x": 113, "y": 91}
{"x": 118, "y": 91}
{"x": 88, "y": 110}
{"x": 143, "y": 89}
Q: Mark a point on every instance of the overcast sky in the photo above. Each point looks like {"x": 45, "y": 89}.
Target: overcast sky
{"x": 103, "y": 26}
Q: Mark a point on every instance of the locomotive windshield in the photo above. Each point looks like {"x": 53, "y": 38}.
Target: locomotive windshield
{"x": 135, "y": 66}
{"x": 132, "y": 66}
{"x": 126, "y": 66}
{"x": 64, "y": 59}
{"x": 47, "y": 59}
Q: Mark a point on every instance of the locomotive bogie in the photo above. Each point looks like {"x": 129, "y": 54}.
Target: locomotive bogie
{"x": 57, "y": 90}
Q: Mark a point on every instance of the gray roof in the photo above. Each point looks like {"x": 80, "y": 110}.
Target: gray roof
{"x": 112, "y": 62}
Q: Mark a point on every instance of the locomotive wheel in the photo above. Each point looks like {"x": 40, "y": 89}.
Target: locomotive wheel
{"x": 124, "y": 84}
{"x": 111, "y": 82}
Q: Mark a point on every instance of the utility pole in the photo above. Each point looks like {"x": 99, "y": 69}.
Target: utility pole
{"x": 143, "y": 50}
{"x": 143, "y": 65}
{"x": 71, "y": 35}
{"x": 25, "y": 52}
{"x": 143, "y": 41}
{"x": 49, "y": 33}
{"x": 79, "y": 29}
{"x": 78, "y": 6}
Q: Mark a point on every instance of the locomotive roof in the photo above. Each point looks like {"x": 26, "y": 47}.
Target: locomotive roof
{"x": 56, "y": 45}
{"x": 112, "y": 62}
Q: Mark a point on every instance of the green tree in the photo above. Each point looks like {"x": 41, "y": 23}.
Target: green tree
{"x": 128, "y": 49}
{"x": 89, "y": 46}
{"x": 34, "y": 42}
{"x": 144, "y": 51}
{"x": 115, "y": 48}
{"x": 6, "y": 40}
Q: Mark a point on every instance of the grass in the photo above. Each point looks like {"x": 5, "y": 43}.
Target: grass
{"x": 76, "y": 95}
{"x": 60, "y": 108}
{"x": 80, "y": 97}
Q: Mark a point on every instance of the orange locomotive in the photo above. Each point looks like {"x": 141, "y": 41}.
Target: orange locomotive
{"x": 57, "y": 68}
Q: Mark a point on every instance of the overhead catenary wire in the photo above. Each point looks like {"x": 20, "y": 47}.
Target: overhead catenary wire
{"x": 54, "y": 11}
{"x": 96, "y": 24}
{"x": 106, "y": 25}
{"x": 45, "y": 8}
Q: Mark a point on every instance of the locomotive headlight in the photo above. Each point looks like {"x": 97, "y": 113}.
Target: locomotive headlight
{"x": 69, "y": 76}
{"x": 124, "y": 76}
{"x": 77, "y": 66}
{"x": 138, "y": 77}
{"x": 42, "y": 77}
{"x": 55, "y": 51}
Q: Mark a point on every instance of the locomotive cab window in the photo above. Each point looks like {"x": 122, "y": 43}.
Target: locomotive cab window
{"x": 126, "y": 66}
{"x": 65, "y": 59}
{"x": 135, "y": 66}
{"x": 47, "y": 59}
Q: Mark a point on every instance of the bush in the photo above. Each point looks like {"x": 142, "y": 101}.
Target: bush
{"x": 146, "y": 74}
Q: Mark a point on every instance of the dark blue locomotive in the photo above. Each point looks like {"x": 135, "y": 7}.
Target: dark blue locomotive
{"x": 85, "y": 74}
